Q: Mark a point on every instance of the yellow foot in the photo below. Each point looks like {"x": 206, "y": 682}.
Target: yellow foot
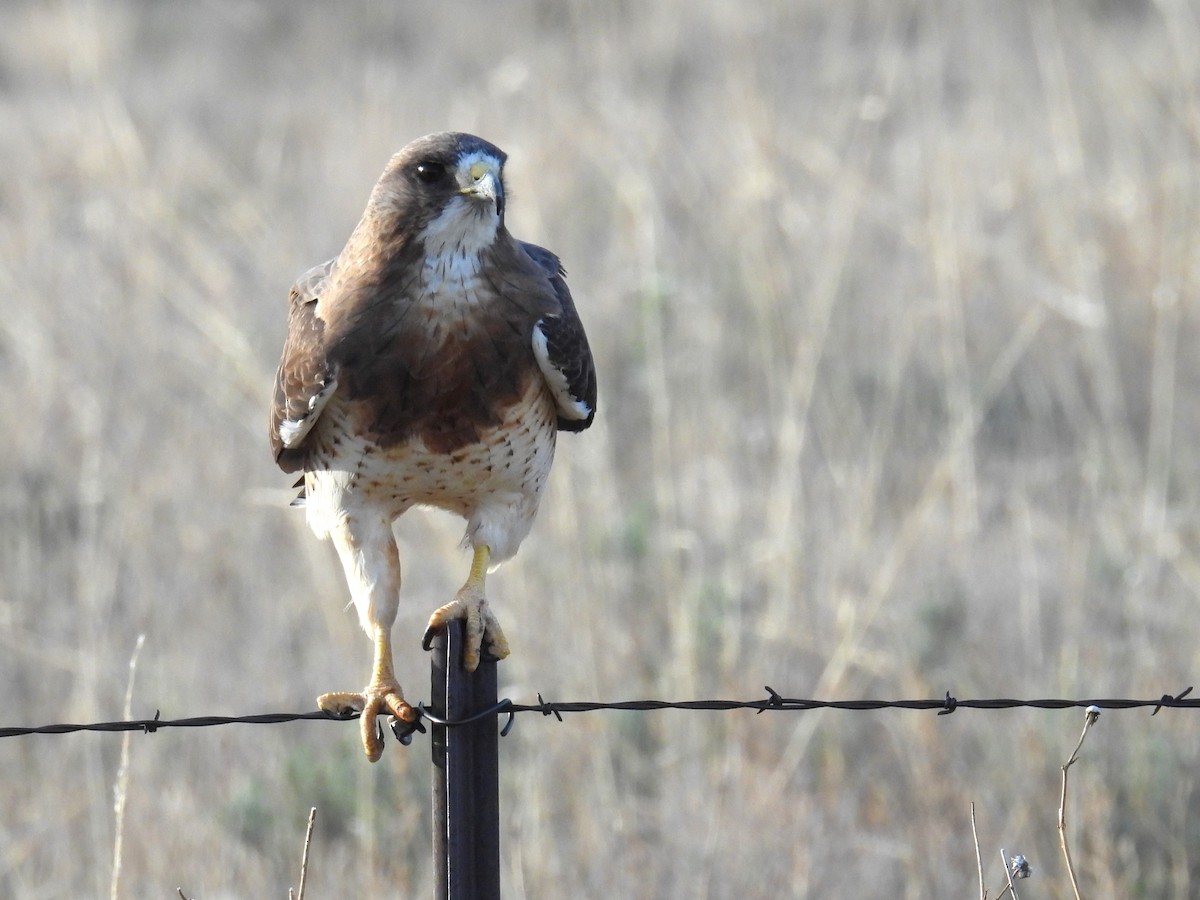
{"x": 472, "y": 607}
{"x": 380, "y": 697}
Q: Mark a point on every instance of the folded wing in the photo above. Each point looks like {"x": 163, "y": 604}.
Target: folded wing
{"x": 562, "y": 352}
{"x": 305, "y": 380}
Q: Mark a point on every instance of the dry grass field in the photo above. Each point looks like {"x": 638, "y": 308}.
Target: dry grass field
{"x": 894, "y": 306}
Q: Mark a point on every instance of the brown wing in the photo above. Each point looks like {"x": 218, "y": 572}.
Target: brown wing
{"x": 305, "y": 379}
{"x": 562, "y": 350}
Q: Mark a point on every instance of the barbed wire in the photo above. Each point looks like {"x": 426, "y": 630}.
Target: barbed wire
{"x": 773, "y": 702}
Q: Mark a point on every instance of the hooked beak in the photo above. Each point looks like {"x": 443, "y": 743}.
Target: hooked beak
{"x": 485, "y": 183}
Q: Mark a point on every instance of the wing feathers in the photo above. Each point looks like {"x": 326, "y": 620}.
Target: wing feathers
{"x": 561, "y": 349}
{"x": 305, "y": 379}
{"x": 293, "y": 431}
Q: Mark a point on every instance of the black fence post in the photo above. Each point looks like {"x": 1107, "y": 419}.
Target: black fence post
{"x": 466, "y": 775}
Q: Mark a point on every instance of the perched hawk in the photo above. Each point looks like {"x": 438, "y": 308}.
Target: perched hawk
{"x": 432, "y": 362}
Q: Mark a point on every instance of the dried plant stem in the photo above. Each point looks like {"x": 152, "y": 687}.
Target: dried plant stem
{"x": 1090, "y": 716}
{"x": 1012, "y": 886}
{"x": 312, "y": 818}
{"x": 121, "y": 786}
{"x": 978, "y": 858}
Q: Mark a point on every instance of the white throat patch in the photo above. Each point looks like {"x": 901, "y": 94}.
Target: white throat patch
{"x": 454, "y": 242}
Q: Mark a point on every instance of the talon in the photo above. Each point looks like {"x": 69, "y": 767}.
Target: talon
{"x": 379, "y": 698}
{"x": 430, "y": 634}
{"x": 480, "y": 624}
{"x": 470, "y": 605}
{"x": 342, "y": 704}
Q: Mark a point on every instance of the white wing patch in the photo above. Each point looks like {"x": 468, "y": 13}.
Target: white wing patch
{"x": 568, "y": 406}
{"x": 293, "y": 431}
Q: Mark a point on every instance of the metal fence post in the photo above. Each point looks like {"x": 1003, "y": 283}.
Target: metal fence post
{"x": 466, "y": 775}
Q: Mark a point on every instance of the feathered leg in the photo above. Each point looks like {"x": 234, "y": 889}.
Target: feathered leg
{"x": 372, "y": 564}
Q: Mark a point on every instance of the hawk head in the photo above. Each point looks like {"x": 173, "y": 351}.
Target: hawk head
{"x": 447, "y": 189}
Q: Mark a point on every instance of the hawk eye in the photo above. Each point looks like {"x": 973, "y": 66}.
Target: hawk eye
{"x": 430, "y": 172}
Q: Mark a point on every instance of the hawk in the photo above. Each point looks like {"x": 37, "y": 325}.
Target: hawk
{"x": 431, "y": 363}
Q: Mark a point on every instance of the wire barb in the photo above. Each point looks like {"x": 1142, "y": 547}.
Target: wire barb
{"x": 950, "y": 704}
{"x": 548, "y": 709}
{"x": 773, "y": 701}
{"x": 1168, "y": 700}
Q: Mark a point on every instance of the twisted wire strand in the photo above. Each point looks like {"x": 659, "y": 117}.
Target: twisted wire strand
{"x": 773, "y": 702}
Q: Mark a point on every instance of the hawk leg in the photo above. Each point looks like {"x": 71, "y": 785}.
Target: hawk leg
{"x": 382, "y": 696}
{"x": 470, "y": 605}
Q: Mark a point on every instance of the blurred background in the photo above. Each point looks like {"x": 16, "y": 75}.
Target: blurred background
{"x": 891, "y": 304}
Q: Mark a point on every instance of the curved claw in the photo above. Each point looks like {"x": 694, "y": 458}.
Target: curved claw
{"x": 472, "y": 607}
{"x": 384, "y": 698}
{"x": 430, "y": 634}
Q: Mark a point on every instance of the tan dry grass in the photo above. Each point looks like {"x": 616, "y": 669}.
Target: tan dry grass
{"x": 893, "y": 306}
